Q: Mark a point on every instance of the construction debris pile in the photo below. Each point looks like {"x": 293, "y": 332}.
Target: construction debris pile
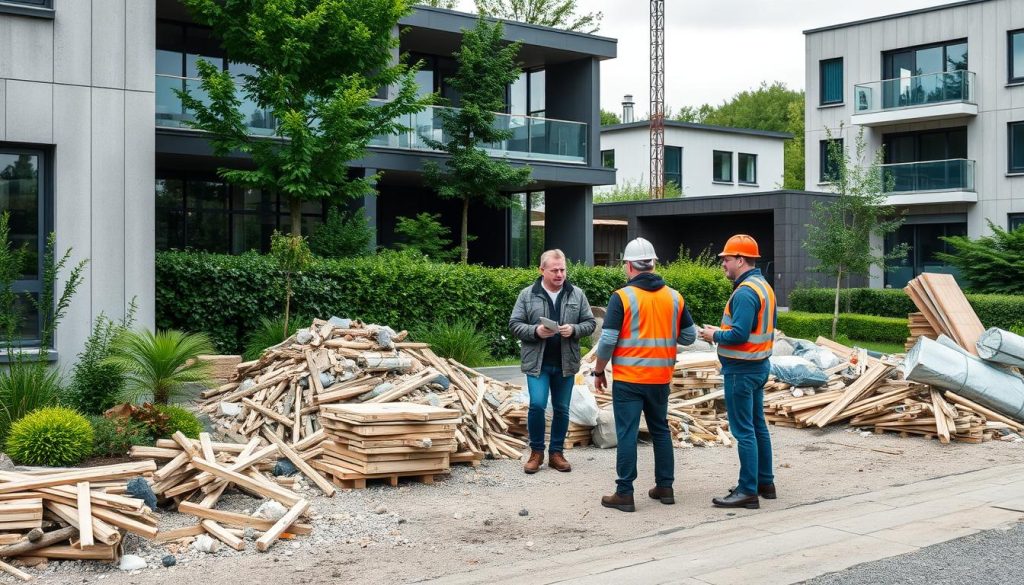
{"x": 79, "y": 514}
{"x": 386, "y": 441}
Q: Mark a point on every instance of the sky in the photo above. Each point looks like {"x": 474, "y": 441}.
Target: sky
{"x": 717, "y": 48}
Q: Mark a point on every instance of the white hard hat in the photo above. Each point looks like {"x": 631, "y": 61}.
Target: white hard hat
{"x": 639, "y": 249}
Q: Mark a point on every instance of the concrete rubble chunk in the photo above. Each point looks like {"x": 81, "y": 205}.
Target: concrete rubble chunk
{"x": 131, "y": 563}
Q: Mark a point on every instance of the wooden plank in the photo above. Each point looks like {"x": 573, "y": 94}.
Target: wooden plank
{"x": 237, "y": 520}
{"x": 270, "y": 536}
{"x": 268, "y": 490}
{"x": 220, "y": 533}
{"x": 16, "y": 572}
{"x": 325, "y": 486}
{"x": 85, "y": 515}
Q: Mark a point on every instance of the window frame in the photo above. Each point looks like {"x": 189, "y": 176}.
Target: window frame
{"x": 823, "y": 179}
{"x": 1010, "y": 169}
{"x": 714, "y": 167}
{"x": 1009, "y": 55}
{"x": 34, "y": 8}
{"x": 605, "y": 156}
{"x": 821, "y": 82}
{"x": 740, "y": 166}
{"x": 665, "y": 178}
{"x": 44, "y": 218}
{"x": 1012, "y": 218}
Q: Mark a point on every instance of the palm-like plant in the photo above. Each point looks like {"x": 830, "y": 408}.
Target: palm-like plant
{"x": 160, "y": 364}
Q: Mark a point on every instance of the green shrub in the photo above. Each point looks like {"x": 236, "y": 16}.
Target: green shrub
{"x": 52, "y": 436}
{"x": 989, "y": 264}
{"x": 459, "y": 340}
{"x": 96, "y": 384}
{"x": 25, "y": 386}
{"x": 1003, "y": 311}
{"x": 859, "y": 327}
{"x": 426, "y": 235}
{"x": 224, "y": 295}
{"x": 114, "y": 437}
{"x": 270, "y": 332}
{"x": 342, "y": 235}
{"x": 159, "y": 365}
{"x": 180, "y": 419}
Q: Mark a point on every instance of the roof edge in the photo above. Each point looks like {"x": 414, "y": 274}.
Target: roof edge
{"x": 704, "y": 127}
{"x": 892, "y": 16}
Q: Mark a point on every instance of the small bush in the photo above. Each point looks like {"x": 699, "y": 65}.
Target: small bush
{"x": 459, "y": 340}
{"x": 54, "y": 437}
{"x": 858, "y": 327}
{"x": 114, "y": 437}
{"x": 180, "y": 419}
{"x": 270, "y": 332}
{"x": 426, "y": 235}
{"x": 26, "y": 386}
{"x": 342, "y": 235}
{"x": 95, "y": 384}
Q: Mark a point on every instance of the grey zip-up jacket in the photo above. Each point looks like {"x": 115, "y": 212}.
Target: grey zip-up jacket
{"x": 534, "y": 303}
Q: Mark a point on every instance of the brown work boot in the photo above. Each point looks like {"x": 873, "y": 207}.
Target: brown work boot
{"x": 662, "y": 493}
{"x": 534, "y": 462}
{"x": 619, "y": 502}
{"x": 557, "y": 461}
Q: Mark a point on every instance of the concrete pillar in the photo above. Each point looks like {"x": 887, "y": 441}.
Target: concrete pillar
{"x": 569, "y": 222}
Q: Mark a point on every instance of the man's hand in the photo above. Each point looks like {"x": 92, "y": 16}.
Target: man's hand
{"x": 707, "y": 333}
{"x": 543, "y": 332}
{"x": 565, "y": 330}
{"x": 600, "y": 383}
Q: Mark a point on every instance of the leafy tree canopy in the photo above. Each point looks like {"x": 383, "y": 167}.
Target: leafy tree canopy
{"x": 553, "y": 13}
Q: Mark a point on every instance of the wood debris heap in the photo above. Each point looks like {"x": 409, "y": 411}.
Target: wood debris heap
{"x": 73, "y": 514}
{"x": 386, "y": 441}
{"x": 946, "y": 309}
{"x": 577, "y": 436}
{"x": 919, "y": 327}
{"x": 197, "y": 473}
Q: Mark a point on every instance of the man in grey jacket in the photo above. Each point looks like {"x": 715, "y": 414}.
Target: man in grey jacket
{"x": 550, "y": 357}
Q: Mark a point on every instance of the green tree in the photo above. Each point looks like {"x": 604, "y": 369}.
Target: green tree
{"x": 609, "y": 118}
{"x": 694, "y": 115}
{"x": 989, "y": 264}
{"x": 425, "y": 234}
{"x": 318, "y": 64}
{"x": 486, "y": 66}
{"x": 292, "y": 255}
{"x": 449, "y": 4}
{"x": 342, "y": 235}
{"x": 553, "y": 13}
{"x": 839, "y": 235}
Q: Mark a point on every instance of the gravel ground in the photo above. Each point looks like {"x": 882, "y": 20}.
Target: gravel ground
{"x": 993, "y": 557}
{"x": 495, "y": 514}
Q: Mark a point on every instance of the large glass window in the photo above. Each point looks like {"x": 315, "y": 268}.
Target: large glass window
{"x": 22, "y": 196}
{"x": 722, "y": 162}
{"x": 1014, "y": 221}
{"x": 916, "y": 68}
{"x": 608, "y": 159}
{"x": 1015, "y": 55}
{"x": 526, "y": 229}
{"x": 829, "y": 166}
{"x": 831, "y": 74}
{"x": 674, "y": 165}
{"x": 1015, "y": 135}
{"x": 924, "y": 241}
{"x": 747, "y": 168}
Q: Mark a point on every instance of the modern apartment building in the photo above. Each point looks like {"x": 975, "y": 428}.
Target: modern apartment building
{"x": 93, "y": 147}
{"x": 700, "y": 159}
{"x": 941, "y": 91}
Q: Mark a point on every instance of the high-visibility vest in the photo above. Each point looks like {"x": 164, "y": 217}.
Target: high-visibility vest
{"x": 646, "y": 350}
{"x": 759, "y": 345}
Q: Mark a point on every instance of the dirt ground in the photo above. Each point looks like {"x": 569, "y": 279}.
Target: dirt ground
{"x": 495, "y": 514}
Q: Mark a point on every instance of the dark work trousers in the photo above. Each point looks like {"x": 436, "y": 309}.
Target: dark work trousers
{"x": 552, "y": 383}
{"x": 628, "y": 401}
{"x": 744, "y": 400}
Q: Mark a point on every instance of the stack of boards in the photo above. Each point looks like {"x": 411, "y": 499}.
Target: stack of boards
{"x": 946, "y": 309}
{"x": 386, "y": 441}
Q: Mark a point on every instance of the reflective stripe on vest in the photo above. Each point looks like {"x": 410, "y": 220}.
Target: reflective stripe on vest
{"x": 646, "y": 350}
{"x": 759, "y": 344}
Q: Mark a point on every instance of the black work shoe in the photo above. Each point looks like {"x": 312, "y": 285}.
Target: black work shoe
{"x": 662, "y": 493}
{"x": 619, "y": 502}
{"x": 737, "y": 499}
{"x": 766, "y": 491}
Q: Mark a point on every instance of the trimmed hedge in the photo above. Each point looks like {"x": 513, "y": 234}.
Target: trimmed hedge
{"x": 1003, "y": 311}
{"x": 225, "y": 296}
{"x": 860, "y": 327}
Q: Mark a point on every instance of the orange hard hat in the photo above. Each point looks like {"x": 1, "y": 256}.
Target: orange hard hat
{"x": 741, "y": 245}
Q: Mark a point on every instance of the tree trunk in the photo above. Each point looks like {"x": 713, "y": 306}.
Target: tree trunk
{"x": 835, "y": 309}
{"x": 295, "y": 209}
{"x": 287, "y": 302}
{"x": 465, "y": 230}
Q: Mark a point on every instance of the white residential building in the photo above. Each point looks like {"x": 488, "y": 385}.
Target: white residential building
{"x": 701, "y": 159}
{"x": 941, "y": 91}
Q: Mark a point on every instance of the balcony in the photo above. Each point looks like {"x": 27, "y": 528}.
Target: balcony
{"x": 533, "y": 138}
{"x": 933, "y": 96}
{"x": 937, "y": 181}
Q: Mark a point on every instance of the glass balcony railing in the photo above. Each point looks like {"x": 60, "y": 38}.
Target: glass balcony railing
{"x": 170, "y": 112}
{"x": 920, "y": 90}
{"x": 533, "y": 138}
{"x": 937, "y": 175}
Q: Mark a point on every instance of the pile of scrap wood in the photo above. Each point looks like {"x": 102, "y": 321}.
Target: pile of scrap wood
{"x": 919, "y": 327}
{"x": 945, "y": 309}
{"x": 386, "y": 441}
{"x": 343, "y": 361}
{"x": 71, "y": 514}
{"x": 197, "y": 473}
{"x": 577, "y": 436}
{"x": 874, "y": 395}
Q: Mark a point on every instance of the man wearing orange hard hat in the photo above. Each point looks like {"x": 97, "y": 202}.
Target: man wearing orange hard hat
{"x": 745, "y": 342}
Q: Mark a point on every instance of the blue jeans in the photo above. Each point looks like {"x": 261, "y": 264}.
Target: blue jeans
{"x": 744, "y": 400}
{"x": 550, "y": 380}
{"x": 628, "y": 401}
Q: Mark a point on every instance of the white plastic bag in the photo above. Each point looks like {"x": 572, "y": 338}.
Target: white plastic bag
{"x": 583, "y": 408}
{"x": 603, "y": 434}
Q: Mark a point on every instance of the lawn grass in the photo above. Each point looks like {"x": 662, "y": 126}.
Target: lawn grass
{"x": 879, "y": 346}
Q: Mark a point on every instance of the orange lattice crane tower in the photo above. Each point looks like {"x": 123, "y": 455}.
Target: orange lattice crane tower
{"x": 657, "y": 176}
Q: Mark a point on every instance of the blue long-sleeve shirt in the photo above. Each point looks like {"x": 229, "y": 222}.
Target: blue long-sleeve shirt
{"x": 744, "y": 307}
{"x": 615, "y": 312}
